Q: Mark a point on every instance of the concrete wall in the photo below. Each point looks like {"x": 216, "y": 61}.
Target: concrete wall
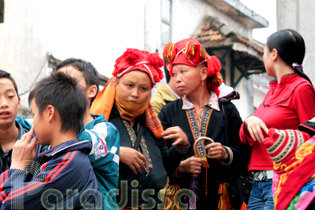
{"x": 299, "y": 15}
{"x": 98, "y": 31}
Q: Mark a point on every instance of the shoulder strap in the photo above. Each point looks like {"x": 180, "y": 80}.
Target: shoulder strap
{"x": 222, "y": 101}
{"x": 226, "y": 124}
{"x": 139, "y": 136}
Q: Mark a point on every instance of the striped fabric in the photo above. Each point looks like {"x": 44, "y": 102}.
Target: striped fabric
{"x": 104, "y": 102}
{"x": 293, "y": 153}
{"x": 281, "y": 144}
{"x": 37, "y": 184}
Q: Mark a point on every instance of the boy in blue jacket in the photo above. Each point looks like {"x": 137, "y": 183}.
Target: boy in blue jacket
{"x": 103, "y": 135}
{"x": 12, "y": 127}
{"x": 62, "y": 177}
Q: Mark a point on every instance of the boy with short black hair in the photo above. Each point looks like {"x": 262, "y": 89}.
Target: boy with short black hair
{"x": 11, "y": 127}
{"x": 103, "y": 135}
{"x": 65, "y": 178}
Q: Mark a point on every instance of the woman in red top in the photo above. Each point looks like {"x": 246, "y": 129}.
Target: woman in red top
{"x": 289, "y": 102}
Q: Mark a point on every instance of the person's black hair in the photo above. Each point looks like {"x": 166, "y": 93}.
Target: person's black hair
{"x": 89, "y": 72}
{"x": 166, "y": 71}
{"x": 62, "y": 92}
{"x": 7, "y": 75}
{"x": 291, "y": 48}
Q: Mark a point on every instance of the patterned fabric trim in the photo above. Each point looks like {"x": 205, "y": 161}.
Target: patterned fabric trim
{"x": 195, "y": 129}
{"x": 290, "y": 144}
{"x": 143, "y": 146}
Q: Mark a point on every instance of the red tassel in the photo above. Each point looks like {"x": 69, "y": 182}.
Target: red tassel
{"x": 224, "y": 202}
{"x": 189, "y": 50}
{"x": 157, "y": 62}
{"x": 214, "y": 65}
{"x": 214, "y": 83}
{"x": 244, "y": 206}
{"x": 203, "y": 54}
{"x": 131, "y": 56}
{"x": 169, "y": 51}
{"x": 171, "y": 202}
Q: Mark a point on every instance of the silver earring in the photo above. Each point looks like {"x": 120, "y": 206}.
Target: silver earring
{"x": 202, "y": 83}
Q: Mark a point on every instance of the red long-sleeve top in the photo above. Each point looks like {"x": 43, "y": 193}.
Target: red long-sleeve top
{"x": 285, "y": 106}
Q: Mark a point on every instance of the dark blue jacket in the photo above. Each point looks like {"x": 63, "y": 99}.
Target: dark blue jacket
{"x": 5, "y": 156}
{"x": 63, "y": 173}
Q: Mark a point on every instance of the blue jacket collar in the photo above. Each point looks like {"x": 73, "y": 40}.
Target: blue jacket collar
{"x": 84, "y": 146}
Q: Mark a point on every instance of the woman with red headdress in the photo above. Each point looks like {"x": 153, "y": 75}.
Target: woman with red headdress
{"x": 200, "y": 113}
{"x": 144, "y": 156}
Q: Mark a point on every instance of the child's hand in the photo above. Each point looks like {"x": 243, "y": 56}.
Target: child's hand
{"x": 24, "y": 151}
{"x": 132, "y": 158}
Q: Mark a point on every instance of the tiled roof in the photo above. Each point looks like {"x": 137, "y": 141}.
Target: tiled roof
{"x": 212, "y": 33}
{"x": 251, "y": 43}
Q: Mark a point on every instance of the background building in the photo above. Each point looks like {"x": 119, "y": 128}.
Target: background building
{"x": 299, "y": 15}
{"x": 36, "y": 34}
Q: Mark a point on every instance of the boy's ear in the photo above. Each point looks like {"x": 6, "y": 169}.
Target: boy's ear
{"x": 50, "y": 112}
{"x": 19, "y": 102}
{"x": 91, "y": 91}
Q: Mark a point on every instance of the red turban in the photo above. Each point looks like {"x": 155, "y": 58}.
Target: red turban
{"x": 134, "y": 59}
{"x": 191, "y": 53}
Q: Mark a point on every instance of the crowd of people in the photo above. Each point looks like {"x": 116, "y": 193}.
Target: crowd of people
{"x": 186, "y": 147}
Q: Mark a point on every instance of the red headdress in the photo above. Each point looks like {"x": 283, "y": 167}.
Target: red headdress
{"x": 190, "y": 52}
{"x": 134, "y": 59}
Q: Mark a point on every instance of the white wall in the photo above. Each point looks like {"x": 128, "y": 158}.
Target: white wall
{"x": 299, "y": 15}
{"x": 96, "y": 30}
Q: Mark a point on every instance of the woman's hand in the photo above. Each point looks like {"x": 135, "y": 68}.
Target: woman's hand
{"x": 256, "y": 128}
{"x": 24, "y": 151}
{"x": 132, "y": 158}
{"x": 216, "y": 150}
{"x": 190, "y": 165}
{"x": 181, "y": 142}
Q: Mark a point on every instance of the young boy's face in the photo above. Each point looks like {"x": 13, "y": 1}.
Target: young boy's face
{"x": 9, "y": 103}
{"x": 39, "y": 124}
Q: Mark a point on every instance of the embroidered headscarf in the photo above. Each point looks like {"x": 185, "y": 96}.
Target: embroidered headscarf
{"x": 132, "y": 59}
{"x": 190, "y": 52}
